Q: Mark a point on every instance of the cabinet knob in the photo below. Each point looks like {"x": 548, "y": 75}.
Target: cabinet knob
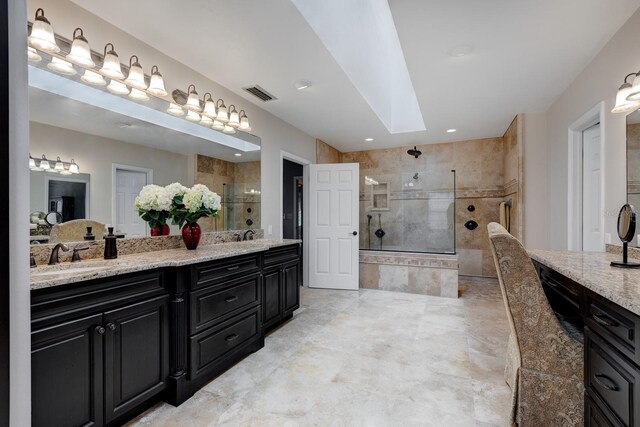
{"x": 100, "y": 330}
{"x": 111, "y": 326}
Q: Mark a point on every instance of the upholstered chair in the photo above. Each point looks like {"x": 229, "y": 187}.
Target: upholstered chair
{"x": 74, "y": 230}
{"x": 544, "y": 364}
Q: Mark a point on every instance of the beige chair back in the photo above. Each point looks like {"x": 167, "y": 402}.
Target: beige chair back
{"x": 74, "y": 230}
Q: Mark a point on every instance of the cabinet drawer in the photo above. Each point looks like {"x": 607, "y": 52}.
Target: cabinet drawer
{"x": 593, "y": 416}
{"x": 210, "y": 346}
{"x": 615, "y": 324}
{"x": 212, "y": 304}
{"x": 612, "y": 380}
{"x": 224, "y": 269}
{"x": 281, "y": 254}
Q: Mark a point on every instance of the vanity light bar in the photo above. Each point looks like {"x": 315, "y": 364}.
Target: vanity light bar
{"x": 628, "y": 95}
{"x": 56, "y": 166}
{"x": 67, "y": 54}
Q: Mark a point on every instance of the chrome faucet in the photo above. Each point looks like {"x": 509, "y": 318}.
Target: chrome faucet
{"x": 237, "y": 236}
{"x": 249, "y": 232}
{"x": 54, "y": 258}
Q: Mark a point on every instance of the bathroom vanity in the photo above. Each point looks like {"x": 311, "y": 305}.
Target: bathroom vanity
{"x": 111, "y": 337}
{"x": 600, "y": 305}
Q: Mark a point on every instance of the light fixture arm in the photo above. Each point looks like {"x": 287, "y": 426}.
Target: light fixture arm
{"x": 204, "y": 98}
{"x": 131, "y": 60}
{"x": 218, "y": 103}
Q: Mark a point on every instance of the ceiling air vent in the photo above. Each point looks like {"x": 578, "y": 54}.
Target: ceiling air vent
{"x": 260, "y": 93}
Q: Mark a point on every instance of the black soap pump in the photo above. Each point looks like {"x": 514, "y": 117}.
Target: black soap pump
{"x": 110, "y": 247}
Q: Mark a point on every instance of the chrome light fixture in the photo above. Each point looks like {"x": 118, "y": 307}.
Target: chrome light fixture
{"x": 635, "y": 89}
{"x": 93, "y": 78}
{"x": 136, "y": 74}
{"x": 223, "y": 115}
{"x": 111, "y": 66}
{"x": 192, "y": 116}
{"x": 138, "y": 95}
{"x": 118, "y": 88}
{"x": 209, "y": 106}
{"x": 217, "y": 125}
{"x": 193, "y": 100}
{"x": 175, "y": 110}
{"x": 623, "y": 104}
{"x": 228, "y": 129}
{"x": 61, "y": 66}
{"x": 32, "y": 55}
{"x": 42, "y": 36}
{"x": 244, "y": 122}
{"x": 80, "y": 51}
{"x": 156, "y": 84}
{"x": 234, "y": 117}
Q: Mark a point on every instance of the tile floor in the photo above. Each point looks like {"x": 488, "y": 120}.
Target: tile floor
{"x": 366, "y": 358}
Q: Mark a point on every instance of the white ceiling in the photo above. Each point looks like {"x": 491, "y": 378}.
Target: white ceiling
{"x": 525, "y": 53}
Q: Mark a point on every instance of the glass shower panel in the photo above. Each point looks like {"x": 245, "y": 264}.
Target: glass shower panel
{"x": 408, "y": 212}
{"x": 241, "y": 206}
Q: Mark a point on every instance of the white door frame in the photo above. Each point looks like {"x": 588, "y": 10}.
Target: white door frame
{"x": 87, "y": 196}
{"x": 116, "y": 167}
{"x": 574, "y": 191}
{"x": 305, "y": 207}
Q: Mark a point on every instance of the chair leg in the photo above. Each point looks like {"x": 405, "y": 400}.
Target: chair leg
{"x": 549, "y": 400}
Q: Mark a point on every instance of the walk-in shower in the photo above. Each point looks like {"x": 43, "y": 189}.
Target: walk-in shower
{"x": 412, "y": 211}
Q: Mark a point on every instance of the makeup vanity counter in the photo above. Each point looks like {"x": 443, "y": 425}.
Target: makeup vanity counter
{"x": 599, "y": 305}
{"x": 111, "y": 337}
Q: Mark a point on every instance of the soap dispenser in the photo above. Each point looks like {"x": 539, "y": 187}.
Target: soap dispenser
{"x": 110, "y": 247}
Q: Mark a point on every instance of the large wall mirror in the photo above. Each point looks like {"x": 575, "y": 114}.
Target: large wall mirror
{"x": 99, "y": 159}
{"x": 633, "y": 163}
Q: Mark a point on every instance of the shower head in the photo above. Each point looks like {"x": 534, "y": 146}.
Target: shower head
{"x": 414, "y": 152}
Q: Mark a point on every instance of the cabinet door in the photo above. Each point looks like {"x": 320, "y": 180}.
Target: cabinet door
{"x": 271, "y": 297}
{"x": 291, "y": 273}
{"x": 66, "y": 373}
{"x": 136, "y": 354}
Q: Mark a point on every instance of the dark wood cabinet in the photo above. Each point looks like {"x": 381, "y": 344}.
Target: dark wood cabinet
{"x": 136, "y": 354}
{"x": 280, "y": 285}
{"x": 271, "y": 297}
{"x": 93, "y": 369}
{"x": 67, "y": 381}
{"x": 291, "y": 285}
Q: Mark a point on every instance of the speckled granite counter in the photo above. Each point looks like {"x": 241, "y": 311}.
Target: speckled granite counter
{"x": 67, "y": 273}
{"x": 593, "y": 271}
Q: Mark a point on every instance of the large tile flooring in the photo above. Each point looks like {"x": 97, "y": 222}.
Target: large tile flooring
{"x": 366, "y": 358}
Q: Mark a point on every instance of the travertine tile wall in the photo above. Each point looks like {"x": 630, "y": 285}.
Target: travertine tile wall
{"x": 512, "y": 161}
{"x": 215, "y": 174}
{"x": 326, "y": 153}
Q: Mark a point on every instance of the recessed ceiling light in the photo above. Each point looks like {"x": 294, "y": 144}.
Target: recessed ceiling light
{"x": 238, "y": 155}
{"x": 302, "y": 84}
{"x": 451, "y": 130}
{"x": 368, "y": 139}
{"x": 461, "y": 50}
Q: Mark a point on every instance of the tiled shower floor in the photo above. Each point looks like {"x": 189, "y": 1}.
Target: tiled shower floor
{"x": 366, "y": 358}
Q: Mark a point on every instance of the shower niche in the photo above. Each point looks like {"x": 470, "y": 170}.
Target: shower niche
{"x": 380, "y": 196}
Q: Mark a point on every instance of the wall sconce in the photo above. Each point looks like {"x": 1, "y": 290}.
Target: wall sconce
{"x": 635, "y": 89}
{"x": 244, "y": 122}
{"x": 61, "y": 167}
{"x": 209, "y": 106}
{"x": 111, "y": 66}
{"x": 193, "y": 100}
{"x": 136, "y": 75}
{"x": 234, "y": 117}
{"x": 222, "y": 116}
{"x": 80, "y": 51}
{"x": 42, "y": 36}
{"x": 156, "y": 84}
{"x": 623, "y": 102}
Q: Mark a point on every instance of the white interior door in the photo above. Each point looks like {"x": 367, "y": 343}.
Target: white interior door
{"x": 333, "y": 226}
{"x": 128, "y": 186}
{"x": 592, "y": 233}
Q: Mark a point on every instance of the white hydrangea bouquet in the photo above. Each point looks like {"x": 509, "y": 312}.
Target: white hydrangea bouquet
{"x": 191, "y": 204}
{"x": 153, "y": 204}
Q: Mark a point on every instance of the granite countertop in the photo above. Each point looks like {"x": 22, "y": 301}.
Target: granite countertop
{"x": 593, "y": 271}
{"x": 68, "y": 273}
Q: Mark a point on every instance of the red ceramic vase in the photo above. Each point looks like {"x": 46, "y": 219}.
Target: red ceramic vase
{"x": 191, "y": 233}
{"x": 160, "y": 230}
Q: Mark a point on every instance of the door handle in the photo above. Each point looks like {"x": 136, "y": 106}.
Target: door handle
{"x": 231, "y": 299}
{"x": 355, "y": 233}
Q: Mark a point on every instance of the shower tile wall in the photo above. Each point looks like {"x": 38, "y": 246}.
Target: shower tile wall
{"x": 480, "y": 177}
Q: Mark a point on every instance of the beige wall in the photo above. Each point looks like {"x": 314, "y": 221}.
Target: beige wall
{"x": 95, "y": 155}
{"x": 512, "y": 166}
{"x": 325, "y": 153}
{"x": 276, "y": 134}
{"x": 535, "y": 184}
{"x": 597, "y": 83}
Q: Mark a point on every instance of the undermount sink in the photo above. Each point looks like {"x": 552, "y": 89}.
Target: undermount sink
{"x": 67, "y": 271}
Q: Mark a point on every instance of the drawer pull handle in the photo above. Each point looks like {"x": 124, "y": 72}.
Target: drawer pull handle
{"x": 605, "y": 320}
{"x": 552, "y": 284}
{"x": 231, "y": 337}
{"x": 111, "y": 326}
{"x": 231, "y": 299}
{"x": 100, "y": 330}
{"x": 606, "y": 382}
{"x": 233, "y": 267}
